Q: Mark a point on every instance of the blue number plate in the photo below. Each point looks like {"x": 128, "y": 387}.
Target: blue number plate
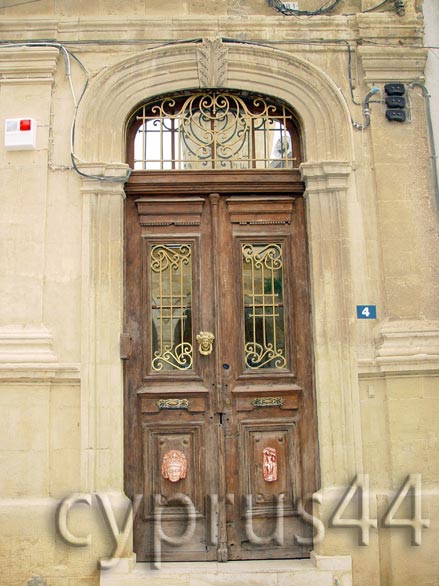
{"x": 366, "y": 311}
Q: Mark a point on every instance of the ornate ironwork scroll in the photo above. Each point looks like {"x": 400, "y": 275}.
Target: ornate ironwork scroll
{"x": 174, "y": 466}
{"x": 213, "y": 131}
{"x": 171, "y": 291}
{"x": 263, "y": 306}
{"x": 269, "y": 466}
{"x": 173, "y": 404}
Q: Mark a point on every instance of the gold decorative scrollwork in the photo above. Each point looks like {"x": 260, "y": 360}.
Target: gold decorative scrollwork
{"x": 179, "y": 357}
{"x": 257, "y": 356}
{"x": 164, "y": 257}
{"x": 264, "y": 345}
{"x": 173, "y": 404}
{"x": 268, "y": 402}
{"x": 171, "y": 291}
{"x": 269, "y": 256}
{"x": 213, "y": 130}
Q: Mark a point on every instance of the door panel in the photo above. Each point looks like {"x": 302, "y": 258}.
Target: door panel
{"x": 216, "y": 433}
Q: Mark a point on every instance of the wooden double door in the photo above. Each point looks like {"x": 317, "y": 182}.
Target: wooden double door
{"x": 219, "y": 416}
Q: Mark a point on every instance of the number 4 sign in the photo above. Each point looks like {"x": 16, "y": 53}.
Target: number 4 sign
{"x": 366, "y": 311}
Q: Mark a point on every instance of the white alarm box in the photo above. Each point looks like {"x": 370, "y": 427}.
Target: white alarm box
{"x": 20, "y": 134}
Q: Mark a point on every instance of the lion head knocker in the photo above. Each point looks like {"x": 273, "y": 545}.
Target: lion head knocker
{"x": 270, "y": 464}
{"x": 205, "y": 342}
{"x": 174, "y": 466}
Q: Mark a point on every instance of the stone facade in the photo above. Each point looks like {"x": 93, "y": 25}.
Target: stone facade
{"x": 373, "y": 239}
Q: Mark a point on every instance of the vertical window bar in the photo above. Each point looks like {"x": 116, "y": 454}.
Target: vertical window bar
{"x": 145, "y": 137}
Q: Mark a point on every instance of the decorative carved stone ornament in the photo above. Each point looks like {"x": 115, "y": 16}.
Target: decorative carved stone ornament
{"x": 270, "y": 464}
{"x": 174, "y": 466}
{"x": 212, "y": 63}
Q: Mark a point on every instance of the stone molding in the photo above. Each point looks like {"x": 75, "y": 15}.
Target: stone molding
{"x": 370, "y": 26}
{"x": 404, "y": 347}
{"x": 26, "y": 353}
{"x": 26, "y": 345}
{"x": 381, "y": 29}
{"x": 325, "y": 176}
{"x": 28, "y": 64}
{"x": 385, "y": 64}
{"x": 102, "y": 178}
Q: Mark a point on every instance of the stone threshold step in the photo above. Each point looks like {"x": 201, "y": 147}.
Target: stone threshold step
{"x": 317, "y": 571}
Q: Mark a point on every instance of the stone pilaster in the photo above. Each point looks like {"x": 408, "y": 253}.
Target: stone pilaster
{"x": 101, "y": 325}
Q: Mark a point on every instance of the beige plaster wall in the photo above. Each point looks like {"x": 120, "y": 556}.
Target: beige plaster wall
{"x": 373, "y": 239}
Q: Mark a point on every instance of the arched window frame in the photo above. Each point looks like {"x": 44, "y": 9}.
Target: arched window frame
{"x": 253, "y": 110}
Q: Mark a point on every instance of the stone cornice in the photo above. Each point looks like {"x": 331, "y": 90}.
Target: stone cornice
{"x": 28, "y": 64}
{"x": 384, "y": 28}
{"x": 380, "y": 27}
{"x": 32, "y": 373}
{"x": 382, "y": 65}
{"x": 26, "y": 344}
{"x": 404, "y": 347}
{"x": 325, "y": 176}
{"x": 27, "y": 355}
{"x": 103, "y": 178}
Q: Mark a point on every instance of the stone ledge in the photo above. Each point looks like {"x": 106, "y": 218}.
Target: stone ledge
{"x": 26, "y": 344}
{"x": 404, "y": 347}
{"x": 27, "y": 354}
{"x": 28, "y": 64}
{"x": 40, "y": 373}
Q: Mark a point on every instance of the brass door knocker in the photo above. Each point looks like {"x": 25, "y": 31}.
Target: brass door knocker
{"x": 205, "y": 342}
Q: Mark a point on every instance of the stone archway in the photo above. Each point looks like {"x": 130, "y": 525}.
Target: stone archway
{"x": 115, "y": 92}
{"x": 328, "y": 153}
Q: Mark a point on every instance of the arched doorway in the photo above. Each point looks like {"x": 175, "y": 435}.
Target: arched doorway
{"x": 220, "y": 434}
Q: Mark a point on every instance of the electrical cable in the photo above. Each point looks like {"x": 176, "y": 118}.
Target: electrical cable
{"x": 376, "y": 7}
{"x": 19, "y": 4}
{"x": 280, "y": 7}
{"x": 433, "y": 154}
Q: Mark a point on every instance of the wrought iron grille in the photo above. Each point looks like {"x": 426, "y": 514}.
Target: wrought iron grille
{"x": 264, "y": 331}
{"x": 213, "y": 131}
{"x": 171, "y": 291}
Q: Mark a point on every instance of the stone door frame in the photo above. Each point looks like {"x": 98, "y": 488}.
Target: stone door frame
{"x": 334, "y": 244}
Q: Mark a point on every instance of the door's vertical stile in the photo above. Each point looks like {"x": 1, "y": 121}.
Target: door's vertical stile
{"x": 214, "y": 199}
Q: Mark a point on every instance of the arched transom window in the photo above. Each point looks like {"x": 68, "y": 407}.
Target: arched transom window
{"x": 213, "y": 130}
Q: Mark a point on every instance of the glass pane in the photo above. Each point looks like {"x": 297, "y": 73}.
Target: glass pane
{"x": 262, "y": 270}
{"x": 171, "y": 291}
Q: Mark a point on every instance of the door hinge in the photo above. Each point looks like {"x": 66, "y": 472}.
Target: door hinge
{"x": 126, "y": 346}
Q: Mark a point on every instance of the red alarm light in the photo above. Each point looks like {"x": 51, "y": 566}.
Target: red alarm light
{"x": 25, "y": 124}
